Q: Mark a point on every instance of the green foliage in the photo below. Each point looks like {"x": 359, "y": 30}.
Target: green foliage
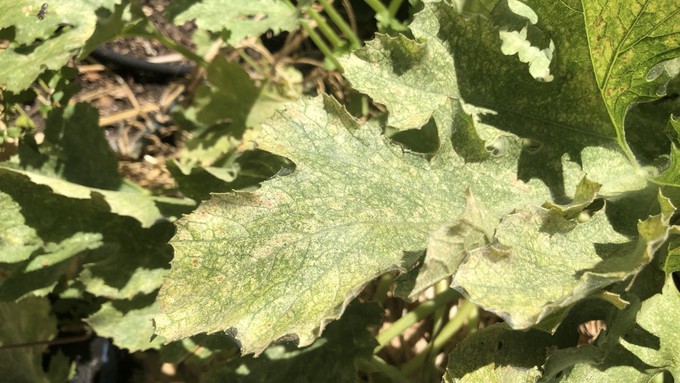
{"x": 37, "y": 44}
{"x": 527, "y": 157}
{"x": 236, "y": 20}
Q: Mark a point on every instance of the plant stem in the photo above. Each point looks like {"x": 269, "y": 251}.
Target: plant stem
{"x": 333, "y": 14}
{"x": 439, "y": 313}
{"x": 327, "y": 31}
{"x": 151, "y": 31}
{"x": 377, "y": 364}
{"x": 323, "y": 47}
{"x": 393, "y": 8}
{"x": 175, "y": 46}
{"x": 415, "y": 316}
{"x": 377, "y": 6}
{"x": 383, "y": 286}
{"x": 249, "y": 60}
{"x": 451, "y": 328}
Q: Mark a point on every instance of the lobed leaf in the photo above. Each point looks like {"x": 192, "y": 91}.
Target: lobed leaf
{"x": 128, "y": 323}
{"x": 239, "y": 20}
{"x": 36, "y": 44}
{"x": 284, "y": 260}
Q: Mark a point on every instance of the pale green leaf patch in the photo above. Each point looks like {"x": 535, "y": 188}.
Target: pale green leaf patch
{"x": 404, "y": 75}
{"x": 128, "y": 323}
{"x": 47, "y": 43}
{"x": 238, "y": 19}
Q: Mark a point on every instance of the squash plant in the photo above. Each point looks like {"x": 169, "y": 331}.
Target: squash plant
{"x": 527, "y": 161}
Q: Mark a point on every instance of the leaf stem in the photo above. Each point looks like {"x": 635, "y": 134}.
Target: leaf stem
{"x": 464, "y": 311}
{"x": 171, "y": 44}
{"x": 354, "y": 42}
{"x": 377, "y": 364}
{"x": 323, "y": 47}
{"x": 439, "y": 313}
{"x": 393, "y": 8}
{"x": 249, "y": 60}
{"x": 327, "y": 31}
{"x": 415, "y": 316}
{"x": 377, "y": 6}
{"x": 383, "y": 286}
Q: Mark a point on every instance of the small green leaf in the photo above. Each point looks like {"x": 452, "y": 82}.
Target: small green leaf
{"x": 672, "y": 263}
{"x": 124, "y": 259}
{"x": 239, "y": 20}
{"x": 128, "y": 323}
{"x": 40, "y": 44}
{"x": 75, "y": 161}
{"x": 671, "y": 175}
{"x": 649, "y": 347}
{"x": 586, "y": 191}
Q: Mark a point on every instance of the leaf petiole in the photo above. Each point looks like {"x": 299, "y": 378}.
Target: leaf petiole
{"x": 415, "y": 316}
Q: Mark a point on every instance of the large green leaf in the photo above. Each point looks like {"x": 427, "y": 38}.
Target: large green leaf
{"x": 36, "y": 45}
{"x": 626, "y": 41}
{"x": 223, "y": 108}
{"x": 239, "y": 19}
{"x": 549, "y": 262}
{"x": 287, "y": 258}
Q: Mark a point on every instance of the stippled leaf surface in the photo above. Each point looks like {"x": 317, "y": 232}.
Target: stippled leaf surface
{"x": 238, "y": 19}
{"x": 36, "y": 44}
{"x": 397, "y": 69}
{"x": 539, "y": 263}
{"x": 17, "y": 240}
{"x": 285, "y": 259}
{"x": 447, "y": 247}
